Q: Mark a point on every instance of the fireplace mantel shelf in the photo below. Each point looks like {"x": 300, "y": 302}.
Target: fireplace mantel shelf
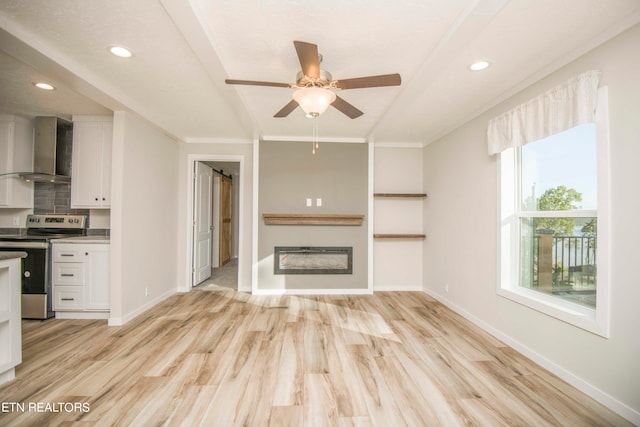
{"x": 312, "y": 219}
{"x": 399, "y": 236}
{"x": 400, "y": 195}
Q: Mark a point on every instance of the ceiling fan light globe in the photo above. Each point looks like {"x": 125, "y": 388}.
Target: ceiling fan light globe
{"x": 314, "y": 100}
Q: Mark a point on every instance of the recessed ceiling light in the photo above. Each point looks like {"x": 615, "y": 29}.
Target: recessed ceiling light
{"x": 479, "y": 65}
{"x": 44, "y": 86}
{"x": 120, "y": 51}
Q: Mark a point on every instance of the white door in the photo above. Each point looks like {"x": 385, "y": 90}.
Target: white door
{"x": 202, "y": 224}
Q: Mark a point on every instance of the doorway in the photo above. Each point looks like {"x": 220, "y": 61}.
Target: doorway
{"x": 216, "y": 214}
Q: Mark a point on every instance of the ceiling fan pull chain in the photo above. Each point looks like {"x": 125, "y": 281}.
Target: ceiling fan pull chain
{"x": 315, "y": 136}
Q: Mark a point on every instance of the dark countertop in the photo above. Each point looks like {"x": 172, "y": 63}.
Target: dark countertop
{"x": 82, "y": 239}
{"x": 12, "y": 254}
{"x": 12, "y": 236}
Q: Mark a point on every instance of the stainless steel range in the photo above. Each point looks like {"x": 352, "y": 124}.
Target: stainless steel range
{"x": 36, "y": 279}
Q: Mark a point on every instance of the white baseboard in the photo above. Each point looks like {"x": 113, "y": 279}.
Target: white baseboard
{"x": 119, "y": 321}
{"x": 610, "y": 402}
{"x": 8, "y": 375}
{"x": 313, "y": 292}
{"x": 95, "y": 315}
{"x": 398, "y": 288}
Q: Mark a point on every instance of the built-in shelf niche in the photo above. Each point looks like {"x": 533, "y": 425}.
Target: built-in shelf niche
{"x": 399, "y": 236}
{"x": 313, "y": 219}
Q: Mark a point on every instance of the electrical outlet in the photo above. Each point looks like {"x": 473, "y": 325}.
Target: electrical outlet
{"x": 446, "y": 287}
{"x": 309, "y": 203}
{"x": 146, "y": 291}
{"x": 318, "y": 202}
{"x": 16, "y": 220}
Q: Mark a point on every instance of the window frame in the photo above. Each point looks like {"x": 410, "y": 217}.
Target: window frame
{"x": 509, "y": 215}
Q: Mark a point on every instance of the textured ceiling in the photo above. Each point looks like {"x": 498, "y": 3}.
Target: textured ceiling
{"x": 183, "y": 51}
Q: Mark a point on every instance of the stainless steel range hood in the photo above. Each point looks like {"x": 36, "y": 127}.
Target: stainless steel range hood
{"x": 52, "y": 151}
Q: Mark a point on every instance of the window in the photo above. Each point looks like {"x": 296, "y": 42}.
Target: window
{"x": 553, "y": 251}
{"x": 558, "y": 215}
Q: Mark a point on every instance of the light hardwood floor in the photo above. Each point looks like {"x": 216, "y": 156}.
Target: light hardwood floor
{"x": 222, "y": 358}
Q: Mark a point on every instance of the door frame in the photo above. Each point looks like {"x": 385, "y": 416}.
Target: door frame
{"x": 191, "y": 161}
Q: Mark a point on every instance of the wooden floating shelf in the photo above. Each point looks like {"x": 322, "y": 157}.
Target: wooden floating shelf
{"x": 399, "y": 236}
{"x": 312, "y": 219}
{"x": 401, "y": 195}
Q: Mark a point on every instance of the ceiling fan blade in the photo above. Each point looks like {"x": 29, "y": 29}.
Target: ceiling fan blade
{"x": 346, "y": 108}
{"x": 309, "y": 60}
{"x": 255, "y": 83}
{"x": 287, "y": 109}
{"x": 370, "y": 81}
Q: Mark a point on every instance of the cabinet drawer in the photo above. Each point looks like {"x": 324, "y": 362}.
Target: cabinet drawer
{"x": 68, "y": 298}
{"x": 68, "y": 273}
{"x": 68, "y": 254}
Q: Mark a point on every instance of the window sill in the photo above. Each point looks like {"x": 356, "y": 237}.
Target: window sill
{"x": 573, "y": 314}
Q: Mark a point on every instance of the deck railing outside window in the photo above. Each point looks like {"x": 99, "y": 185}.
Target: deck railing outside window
{"x": 564, "y": 266}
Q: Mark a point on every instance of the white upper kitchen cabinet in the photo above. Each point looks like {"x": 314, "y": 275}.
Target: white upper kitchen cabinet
{"x": 16, "y": 155}
{"x": 91, "y": 163}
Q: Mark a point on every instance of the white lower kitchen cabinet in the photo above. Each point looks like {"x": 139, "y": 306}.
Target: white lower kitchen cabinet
{"x": 80, "y": 280}
{"x": 10, "y": 326}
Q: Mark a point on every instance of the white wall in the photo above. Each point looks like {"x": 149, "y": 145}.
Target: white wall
{"x": 397, "y": 264}
{"x": 461, "y": 224}
{"x": 220, "y": 152}
{"x": 144, "y": 217}
{"x": 7, "y": 217}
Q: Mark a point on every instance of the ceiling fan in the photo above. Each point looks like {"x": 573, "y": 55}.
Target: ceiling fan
{"x": 315, "y": 85}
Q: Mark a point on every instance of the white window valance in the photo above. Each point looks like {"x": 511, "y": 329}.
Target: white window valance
{"x": 568, "y": 105}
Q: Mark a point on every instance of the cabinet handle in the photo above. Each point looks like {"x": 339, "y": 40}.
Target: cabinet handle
{"x": 103, "y": 199}
{"x": 67, "y": 299}
{"x": 96, "y": 199}
{"x": 67, "y": 275}
{"x": 66, "y": 255}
